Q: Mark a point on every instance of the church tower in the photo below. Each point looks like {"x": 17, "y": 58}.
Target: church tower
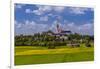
{"x": 58, "y": 25}
{"x": 58, "y": 28}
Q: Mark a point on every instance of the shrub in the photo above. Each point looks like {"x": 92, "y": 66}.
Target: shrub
{"x": 88, "y": 45}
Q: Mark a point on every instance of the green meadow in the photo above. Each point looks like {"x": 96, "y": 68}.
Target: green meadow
{"x": 25, "y": 55}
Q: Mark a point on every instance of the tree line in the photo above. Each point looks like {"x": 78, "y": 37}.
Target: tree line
{"x": 50, "y": 41}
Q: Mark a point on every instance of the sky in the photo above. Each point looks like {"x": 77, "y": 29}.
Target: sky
{"x": 34, "y": 18}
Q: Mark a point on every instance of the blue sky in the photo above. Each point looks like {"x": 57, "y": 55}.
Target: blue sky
{"x": 34, "y": 18}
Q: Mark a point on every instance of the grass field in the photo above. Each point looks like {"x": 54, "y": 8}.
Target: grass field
{"x": 25, "y": 55}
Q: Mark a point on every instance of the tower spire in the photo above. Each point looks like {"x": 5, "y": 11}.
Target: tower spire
{"x": 58, "y": 28}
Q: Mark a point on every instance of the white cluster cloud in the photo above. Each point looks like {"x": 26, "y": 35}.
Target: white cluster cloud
{"x": 59, "y": 8}
{"x": 28, "y": 11}
{"x": 43, "y": 9}
{"x": 40, "y": 10}
{"x": 46, "y": 8}
{"x": 86, "y": 28}
{"x": 31, "y": 27}
{"x": 44, "y": 18}
{"x": 17, "y": 25}
{"x": 78, "y": 10}
{"x": 73, "y": 10}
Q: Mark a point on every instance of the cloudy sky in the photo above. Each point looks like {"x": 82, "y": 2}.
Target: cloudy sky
{"x": 33, "y": 18}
